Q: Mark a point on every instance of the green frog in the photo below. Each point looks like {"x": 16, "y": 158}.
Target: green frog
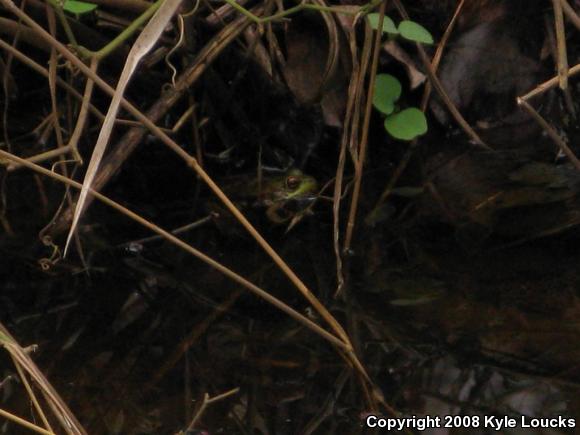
{"x": 285, "y": 197}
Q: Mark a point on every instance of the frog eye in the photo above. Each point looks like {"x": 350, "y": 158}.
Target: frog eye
{"x": 292, "y": 182}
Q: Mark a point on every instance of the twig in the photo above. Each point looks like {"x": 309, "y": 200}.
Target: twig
{"x": 83, "y": 113}
{"x": 349, "y": 135}
{"x": 439, "y": 52}
{"x": 549, "y": 84}
{"x": 123, "y": 36}
{"x": 41, "y": 70}
{"x": 31, "y": 394}
{"x": 551, "y": 132}
{"x": 206, "y": 402}
{"x": 183, "y": 229}
{"x": 570, "y": 13}
{"x": 561, "y": 44}
{"x": 365, "y": 132}
{"x": 24, "y": 423}
{"x": 291, "y": 11}
{"x": 61, "y": 411}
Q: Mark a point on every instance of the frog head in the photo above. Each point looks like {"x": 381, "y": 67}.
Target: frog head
{"x": 294, "y": 185}
{"x": 288, "y": 196}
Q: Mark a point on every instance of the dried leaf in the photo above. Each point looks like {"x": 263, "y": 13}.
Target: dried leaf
{"x": 143, "y": 44}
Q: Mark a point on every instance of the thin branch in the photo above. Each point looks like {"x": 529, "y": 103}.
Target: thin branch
{"x": 550, "y": 131}
{"x": 365, "y": 132}
{"x": 24, "y": 423}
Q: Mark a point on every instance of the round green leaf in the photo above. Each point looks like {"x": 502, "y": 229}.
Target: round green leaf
{"x": 387, "y": 91}
{"x": 78, "y": 7}
{"x": 415, "y": 32}
{"x": 406, "y": 124}
{"x": 388, "y": 24}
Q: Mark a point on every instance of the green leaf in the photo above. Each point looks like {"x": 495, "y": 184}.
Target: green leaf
{"x": 78, "y": 7}
{"x": 388, "y": 24}
{"x": 407, "y": 124}
{"x": 415, "y": 32}
{"x": 387, "y": 91}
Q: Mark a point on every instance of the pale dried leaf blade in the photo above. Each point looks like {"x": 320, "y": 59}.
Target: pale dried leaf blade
{"x": 416, "y": 77}
{"x": 142, "y": 45}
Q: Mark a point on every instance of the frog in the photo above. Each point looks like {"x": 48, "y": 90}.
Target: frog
{"x": 286, "y": 197}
